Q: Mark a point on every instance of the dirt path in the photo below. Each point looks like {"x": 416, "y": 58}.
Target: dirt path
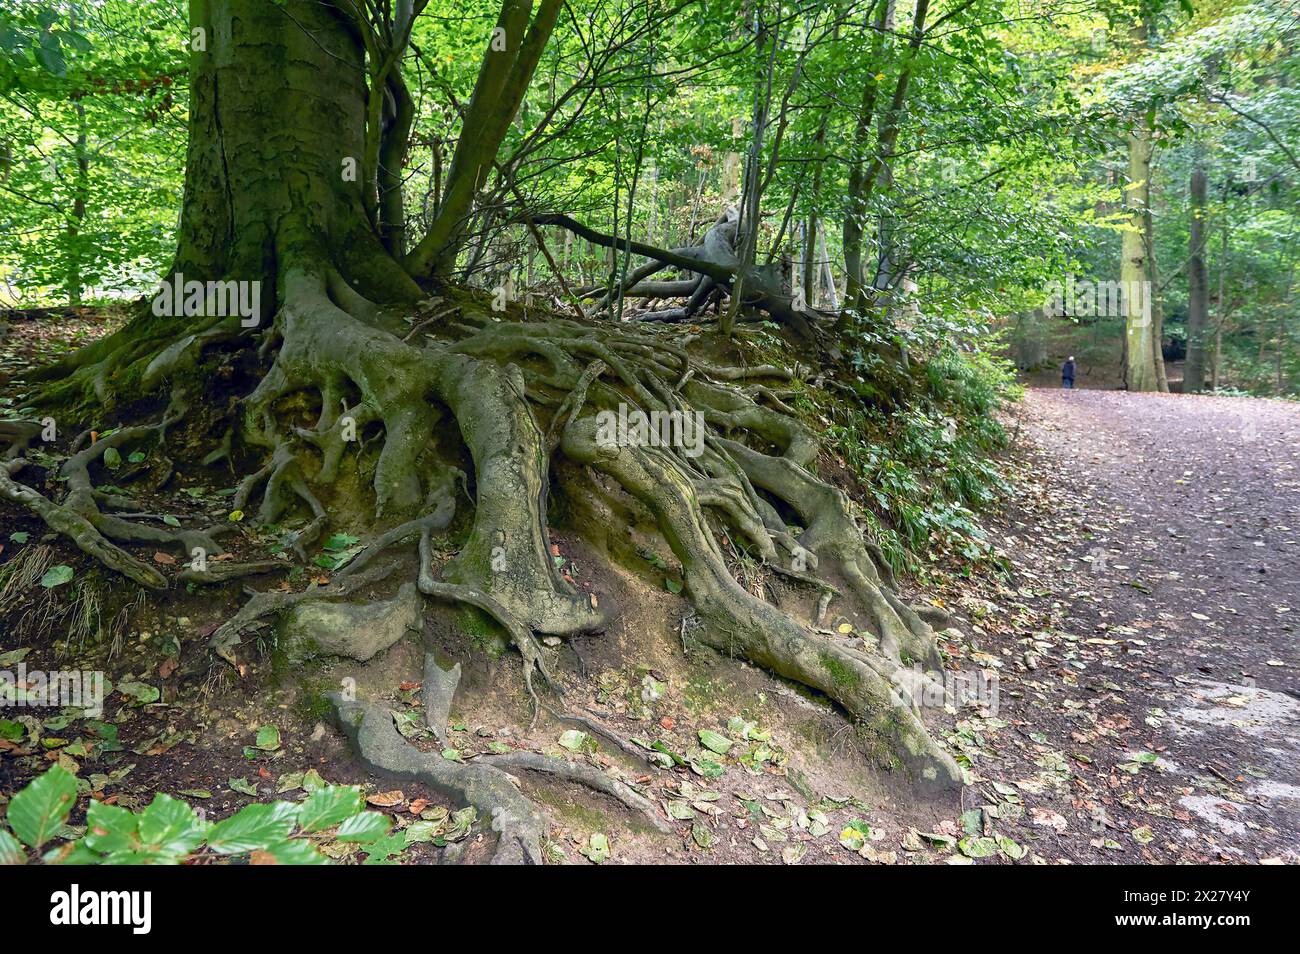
{"x": 1146, "y": 634}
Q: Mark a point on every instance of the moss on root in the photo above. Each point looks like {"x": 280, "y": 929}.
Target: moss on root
{"x": 840, "y": 674}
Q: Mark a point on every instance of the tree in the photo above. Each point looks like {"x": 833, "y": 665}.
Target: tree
{"x": 1137, "y": 265}
{"x": 290, "y": 275}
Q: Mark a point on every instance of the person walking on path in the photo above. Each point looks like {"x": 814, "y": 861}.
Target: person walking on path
{"x": 1067, "y": 373}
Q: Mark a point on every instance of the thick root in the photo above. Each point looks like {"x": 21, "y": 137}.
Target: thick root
{"x": 487, "y": 783}
{"x": 738, "y": 623}
{"x": 382, "y": 749}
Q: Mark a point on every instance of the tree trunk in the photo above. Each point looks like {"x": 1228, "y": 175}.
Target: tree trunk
{"x": 1221, "y": 310}
{"x": 277, "y": 136}
{"x": 1135, "y": 276}
{"x": 1157, "y": 303}
{"x": 81, "y": 188}
{"x": 1198, "y": 292}
{"x": 859, "y": 188}
{"x": 1135, "y": 263}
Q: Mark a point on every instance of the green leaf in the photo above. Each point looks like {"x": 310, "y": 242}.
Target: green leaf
{"x": 701, "y": 835}
{"x": 110, "y": 829}
{"x": 708, "y": 768}
{"x": 715, "y": 742}
{"x": 680, "y": 809}
{"x": 1011, "y": 849}
{"x": 50, "y": 55}
{"x": 243, "y": 786}
{"x": 71, "y": 853}
{"x": 40, "y": 809}
{"x": 288, "y": 782}
{"x": 170, "y": 826}
{"x": 672, "y": 586}
{"x": 365, "y": 827}
{"x": 329, "y": 806}
{"x": 596, "y": 849}
{"x": 20, "y": 536}
{"x": 422, "y": 831}
{"x": 141, "y": 692}
{"x": 136, "y": 457}
{"x": 382, "y": 850}
{"x": 574, "y": 740}
{"x": 251, "y": 828}
{"x": 341, "y": 541}
{"x": 268, "y": 738}
{"x": 296, "y": 852}
{"x": 171, "y": 521}
{"x": 855, "y": 834}
{"x": 57, "y": 576}
{"x": 11, "y": 851}
{"x": 977, "y": 847}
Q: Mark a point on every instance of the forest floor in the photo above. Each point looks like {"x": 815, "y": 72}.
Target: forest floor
{"x": 1141, "y": 629}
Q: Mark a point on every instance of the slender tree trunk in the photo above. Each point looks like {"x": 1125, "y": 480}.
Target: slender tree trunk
{"x": 514, "y": 49}
{"x": 751, "y": 195}
{"x": 81, "y": 188}
{"x": 1135, "y": 272}
{"x": 827, "y": 273}
{"x": 729, "y": 184}
{"x": 858, "y": 191}
{"x": 1135, "y": 275}
{"x": 1280, "y": 358}
{"x": 1145, "y": 365}
{"x": 1198, "y": 291}
{"x": 1222, "y": 310}
{"x": 1157, "y": 305}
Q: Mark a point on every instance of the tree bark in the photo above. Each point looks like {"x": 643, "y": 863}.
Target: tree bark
{"x": 270, "y": 149}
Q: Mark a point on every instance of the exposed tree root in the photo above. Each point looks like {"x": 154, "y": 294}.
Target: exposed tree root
{"x": 487, "y": 782}
{"x": 518, "y": 396}
{"x": 80, "y": 516}
{"x": 738, "y": 623}
{"x": 380, "y": 746}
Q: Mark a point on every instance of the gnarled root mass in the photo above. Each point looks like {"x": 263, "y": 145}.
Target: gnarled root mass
{"x": 484, "y": 407}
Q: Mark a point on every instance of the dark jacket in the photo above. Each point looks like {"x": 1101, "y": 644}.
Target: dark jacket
{"x": 1067, "y": 371}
